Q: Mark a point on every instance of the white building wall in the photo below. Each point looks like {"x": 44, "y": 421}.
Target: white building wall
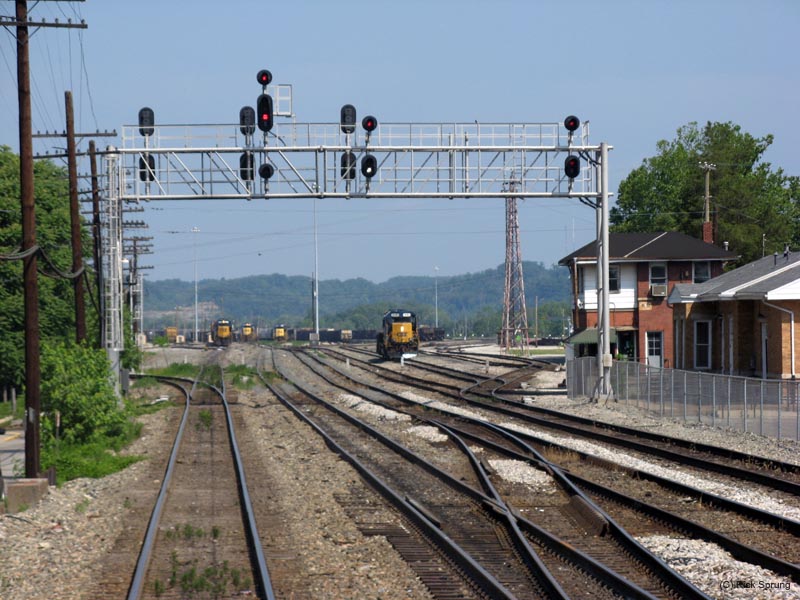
{"x": 625, "y": 299}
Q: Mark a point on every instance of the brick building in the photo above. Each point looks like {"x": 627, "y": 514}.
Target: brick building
{"x": 643, "y": 268}
{"x": 742, "y": 322}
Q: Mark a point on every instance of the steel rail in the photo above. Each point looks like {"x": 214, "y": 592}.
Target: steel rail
{"x": 736, "y": 507}
{"x": 737, "y": 549}
{"x": 254, "y": 540}
{"x": 671, "y": 578}
{"x": 479, "y": 577}
{"x": 135, "y": 589}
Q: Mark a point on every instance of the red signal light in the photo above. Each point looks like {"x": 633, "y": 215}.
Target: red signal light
{"x": 369, "y": 123}
{"x": 572, "y": 123}
{"x": 264, "y": 77}
{"x": 572, "y": 166}
{"x": 264, "y": 109}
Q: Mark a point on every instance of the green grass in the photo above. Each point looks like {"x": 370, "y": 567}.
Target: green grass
{"x": 241, "y": 377}
{"x": 177, "y": 370}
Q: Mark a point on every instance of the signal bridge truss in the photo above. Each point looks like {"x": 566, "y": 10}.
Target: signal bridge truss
{"x": 430, "y": 160}
{"x": 424, "y": 160}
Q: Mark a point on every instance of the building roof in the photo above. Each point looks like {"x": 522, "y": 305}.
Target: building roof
{"x": 775, "y": 277}
{"x": 664, "y": 245}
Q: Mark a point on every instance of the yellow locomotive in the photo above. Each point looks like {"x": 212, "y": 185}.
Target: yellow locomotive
{"x": 248, "y": 333}
{"x": 279, "y": 333}
{"x": 221, "y": 332}
{"x": 398, "y": 334}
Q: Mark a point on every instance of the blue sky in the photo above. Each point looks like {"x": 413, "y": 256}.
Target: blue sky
{"x": 637, "y": 71}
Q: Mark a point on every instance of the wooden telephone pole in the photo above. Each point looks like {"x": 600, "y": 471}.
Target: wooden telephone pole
{"x": 29, "y": 248}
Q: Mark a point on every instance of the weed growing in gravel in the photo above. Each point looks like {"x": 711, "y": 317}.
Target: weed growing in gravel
{"x": 241, "y": 376}
{"x": 158, "y": 588}
{"x": 185, "y": 532}
{"x": 204, "y": 419}
{"x": 213, "y": 579}
{"x": 81, "y": 506}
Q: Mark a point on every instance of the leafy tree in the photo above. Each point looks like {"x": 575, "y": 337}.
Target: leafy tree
{"x": 749, "y": 198}
{"x": 76, "y": 383}
{"x": 56, "y": 307}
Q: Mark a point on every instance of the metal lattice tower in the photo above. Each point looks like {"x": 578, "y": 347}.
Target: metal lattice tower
{"x": 111, "y": 221}
{"x": 515, "y": 315}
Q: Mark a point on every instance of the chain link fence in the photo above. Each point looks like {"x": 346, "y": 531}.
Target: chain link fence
{"x": 767, "y": 407}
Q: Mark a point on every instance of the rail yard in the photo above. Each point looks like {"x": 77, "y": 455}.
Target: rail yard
{"x": 457, "y": 473}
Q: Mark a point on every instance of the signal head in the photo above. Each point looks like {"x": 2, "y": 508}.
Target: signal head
{"x": 369, "y": 166}
{"x": 247, "y": 120}
{"x": 347, "y": 120}
{"x": 264, "y": 77}
{"x": 264, "y": 110}
{"x": 147, "y": 119}
{"x": 572, "y": 166}
{"x": 266, "y": 171}
{"x": 572, "y": 123}
{"x": 369, "y": 123}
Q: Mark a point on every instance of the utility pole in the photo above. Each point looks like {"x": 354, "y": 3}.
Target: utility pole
{"x": 29, "y": 248}
{"x": 708, "y": 231}
{"x": 30, "y": 281}
{"x": 75, "y": 222}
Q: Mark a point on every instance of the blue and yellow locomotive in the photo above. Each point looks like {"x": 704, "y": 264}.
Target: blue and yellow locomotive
{"x": 398, "y": 334}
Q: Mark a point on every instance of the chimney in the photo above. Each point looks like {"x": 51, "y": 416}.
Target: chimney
{"x": 725, "y": 246}
{"x": 708, "y": 232}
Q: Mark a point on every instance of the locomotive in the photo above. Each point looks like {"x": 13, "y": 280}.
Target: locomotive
{"x": 398, "y": 335}
{"x": 248, "y": 333}
{"x": 221, "y": 332}
{"x": 280, "y": 333}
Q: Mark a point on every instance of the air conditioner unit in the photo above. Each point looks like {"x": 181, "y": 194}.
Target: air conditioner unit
{"x": 658, "y": 290}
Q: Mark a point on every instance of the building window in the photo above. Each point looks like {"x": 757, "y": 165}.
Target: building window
{"x": 658, "y": 274}
{"x": 581, "y": 284}
{"x": 613, "y": 278}
{"x": 702, "y": 344}
{"x": 702, "y": 272}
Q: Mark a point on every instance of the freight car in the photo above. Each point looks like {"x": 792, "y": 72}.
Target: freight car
{"x": 248, "y": 333}
{"x": 398, "y": 335}
{"x": 430, "y": 334}
{"x": 221, "y": 332}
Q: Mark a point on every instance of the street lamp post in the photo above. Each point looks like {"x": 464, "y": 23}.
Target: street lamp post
{"x": 195, "y": 230}
{"x": 436, "y": 295}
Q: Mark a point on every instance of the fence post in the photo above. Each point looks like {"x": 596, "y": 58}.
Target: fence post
{"x": 761, "y": 409}
{"x": 685, "y": 395}
{"x": 744, "y": 409}
{"x": 699, "y": 397}
{"x": 661, "y": 392}
{"x": 730, "y": 379}
{"x": 713, "y": 400}
{"x": 780, "y": 402}
{"x": 672, "y": 394}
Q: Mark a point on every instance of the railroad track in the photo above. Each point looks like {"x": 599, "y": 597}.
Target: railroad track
{"x": 201, "y": 536}
{"x": 577, "y": 571}
{"x": 754, "y": 535}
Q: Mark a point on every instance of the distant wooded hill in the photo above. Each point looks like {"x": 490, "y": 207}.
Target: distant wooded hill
{"x": 358, "y": 303}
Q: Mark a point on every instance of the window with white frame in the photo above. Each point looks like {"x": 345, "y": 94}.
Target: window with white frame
{"x": 702, "y": 344}
{"x": 658, "y": 274}
{"x": 702, "y": 272}
{"x": 613, "y": 278}
{"x": 581, "y": 283}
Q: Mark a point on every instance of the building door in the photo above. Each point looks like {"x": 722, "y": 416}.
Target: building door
{"x": 654, "y": 349}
